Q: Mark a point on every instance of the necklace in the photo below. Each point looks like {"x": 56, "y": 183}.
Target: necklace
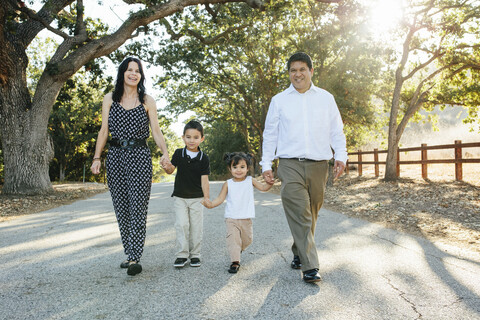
{"x": 134, "y": 103}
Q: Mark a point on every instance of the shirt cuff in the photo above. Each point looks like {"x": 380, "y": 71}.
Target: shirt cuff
{"x": 266, "y": 168}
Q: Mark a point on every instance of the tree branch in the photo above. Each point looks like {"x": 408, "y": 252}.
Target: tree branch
{"x": 224, "y": 34}
{"x": 34, "y": 16}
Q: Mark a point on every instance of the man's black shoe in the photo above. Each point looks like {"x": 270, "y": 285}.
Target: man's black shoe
{"x": 311, "y": 276}
{"x": 296, "y": 264}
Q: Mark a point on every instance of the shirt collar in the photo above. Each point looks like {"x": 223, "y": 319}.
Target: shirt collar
{"x": 292, "y": 89}
{"x": 199, "y": 155}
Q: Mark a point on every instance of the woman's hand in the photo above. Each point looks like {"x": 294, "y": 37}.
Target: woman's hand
{"x": 96, "y": 166}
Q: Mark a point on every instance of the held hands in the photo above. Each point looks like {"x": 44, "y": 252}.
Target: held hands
{"x": 268, "y": 177}
{"x": 165, "y": 161}
{"x": 207, "y": 203}
{"x": 166, "y": 164}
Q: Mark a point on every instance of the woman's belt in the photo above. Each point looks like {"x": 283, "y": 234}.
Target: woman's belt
{"x": 128, "y": 143}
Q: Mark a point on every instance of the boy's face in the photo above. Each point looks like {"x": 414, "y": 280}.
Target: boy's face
{"x": 192, "y": 139}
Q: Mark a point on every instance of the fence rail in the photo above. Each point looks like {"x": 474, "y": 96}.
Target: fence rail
{"x": 458, "y": 159}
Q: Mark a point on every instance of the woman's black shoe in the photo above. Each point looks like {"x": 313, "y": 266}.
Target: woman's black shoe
{"x": 124, "y": 264}
{"x": 134, "y": 268}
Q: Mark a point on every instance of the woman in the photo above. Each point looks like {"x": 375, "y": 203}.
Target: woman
{"x": 126, "y": 114}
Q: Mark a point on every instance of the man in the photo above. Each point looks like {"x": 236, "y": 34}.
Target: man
{"x": 302, "y": 127}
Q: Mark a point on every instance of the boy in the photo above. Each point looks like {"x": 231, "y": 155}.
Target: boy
{"x": 190, "y": 189}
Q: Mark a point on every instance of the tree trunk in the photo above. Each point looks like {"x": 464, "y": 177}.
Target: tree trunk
{"x": 61, "y": 174}
{"x": 27, "y": 148}
{"x": 391, "y": 165}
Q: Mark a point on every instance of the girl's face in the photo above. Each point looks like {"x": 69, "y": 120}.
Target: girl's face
{"x": 239, "y": 171}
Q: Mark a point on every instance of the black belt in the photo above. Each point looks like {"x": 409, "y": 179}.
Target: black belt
{"x": 128, "y": 143}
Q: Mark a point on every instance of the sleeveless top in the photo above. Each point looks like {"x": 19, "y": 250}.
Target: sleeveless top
{"x": 240, "y": 203}
{"x": 128, "y": 124}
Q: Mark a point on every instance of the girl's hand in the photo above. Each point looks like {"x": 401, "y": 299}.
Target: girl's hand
{"x": 207, "y": 203}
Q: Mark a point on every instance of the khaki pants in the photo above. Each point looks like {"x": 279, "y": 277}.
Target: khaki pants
{"x": 303, "y": 187}
{"x": 188, "y": 227}
{"x": 239, "y": 236}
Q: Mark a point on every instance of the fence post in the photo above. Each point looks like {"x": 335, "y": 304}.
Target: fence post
{"x": 359, "y": 162}
{"x": 398, "y": 163}
{"x": 375, "y": 159}
{"x": 424, "y": 164}
{"x": 458, "y": 161}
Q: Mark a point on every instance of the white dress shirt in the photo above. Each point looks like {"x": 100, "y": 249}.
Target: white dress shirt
{"x": 303, "y": 125}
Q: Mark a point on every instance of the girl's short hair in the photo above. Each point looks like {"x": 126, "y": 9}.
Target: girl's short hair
{"x": 233, "y": 158}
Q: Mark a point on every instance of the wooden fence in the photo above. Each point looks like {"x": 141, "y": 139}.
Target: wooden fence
{"x": 458, "y": 160}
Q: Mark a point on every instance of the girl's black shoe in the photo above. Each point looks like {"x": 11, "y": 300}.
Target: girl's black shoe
{"x": 234, "y": 267}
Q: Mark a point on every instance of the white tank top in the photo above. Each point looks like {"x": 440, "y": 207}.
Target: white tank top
{"x": 240, "y": 203}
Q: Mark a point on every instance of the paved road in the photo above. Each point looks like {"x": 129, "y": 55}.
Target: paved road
{"x": 64, "y": 264}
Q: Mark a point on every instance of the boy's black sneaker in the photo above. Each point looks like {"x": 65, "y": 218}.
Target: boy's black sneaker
{"x": 195, "y": 262}
{"x": 180, "y": 262}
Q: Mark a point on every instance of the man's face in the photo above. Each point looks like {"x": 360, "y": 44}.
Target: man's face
{"x": 300, "y": 76}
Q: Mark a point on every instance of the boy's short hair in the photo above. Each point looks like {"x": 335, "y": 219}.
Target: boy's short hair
{"x": 193, "y": 124}
{"x": 300, "y": 56}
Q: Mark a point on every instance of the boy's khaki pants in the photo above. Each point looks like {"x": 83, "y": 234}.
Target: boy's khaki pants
{"x": 188, "y": 226}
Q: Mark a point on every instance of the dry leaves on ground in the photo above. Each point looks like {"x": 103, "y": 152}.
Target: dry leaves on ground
{"x": 67, "y": 193}
{"x": 446, "y": 211}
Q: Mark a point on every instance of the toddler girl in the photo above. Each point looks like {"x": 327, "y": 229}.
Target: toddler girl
{"x": 240, "y": 208}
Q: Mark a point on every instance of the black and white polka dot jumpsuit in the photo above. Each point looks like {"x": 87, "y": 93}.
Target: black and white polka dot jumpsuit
{"x": 129, "y": 176}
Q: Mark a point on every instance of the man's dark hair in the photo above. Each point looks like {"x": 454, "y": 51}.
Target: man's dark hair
{"x": 193, "y": 124}
{"x": 300, "y": 56}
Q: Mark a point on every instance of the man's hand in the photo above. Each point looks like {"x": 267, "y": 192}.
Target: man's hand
{"x": 338, "y": 169}
{"x": 268, "y": 176}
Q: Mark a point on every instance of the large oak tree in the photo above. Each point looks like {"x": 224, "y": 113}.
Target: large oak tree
{"x": 26, "y": 146}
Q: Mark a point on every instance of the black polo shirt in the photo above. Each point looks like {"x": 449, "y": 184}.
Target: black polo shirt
{"x": 188, "y": 180}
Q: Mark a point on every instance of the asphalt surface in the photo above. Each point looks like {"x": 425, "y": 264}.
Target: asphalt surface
{"x": 64, "y": 264}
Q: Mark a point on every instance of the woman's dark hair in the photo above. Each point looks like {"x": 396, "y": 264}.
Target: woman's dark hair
{"x": 118, "y": 91}
{"x": 300, "y": 56}
{"x": 233, "y": 158}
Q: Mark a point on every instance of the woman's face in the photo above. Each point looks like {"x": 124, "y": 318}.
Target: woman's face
{"x": 132, "y": 75}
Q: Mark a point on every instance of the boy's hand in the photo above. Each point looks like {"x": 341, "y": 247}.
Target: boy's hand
{"x": 164, "y": 161}
{"x": 207, "y": 203}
